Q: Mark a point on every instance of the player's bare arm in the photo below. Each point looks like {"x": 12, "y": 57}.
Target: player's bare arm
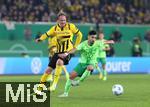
{"x": 63, "y": 55}
{"x": 109, "y": 41}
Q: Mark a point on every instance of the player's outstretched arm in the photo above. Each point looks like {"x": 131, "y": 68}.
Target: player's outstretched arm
{"x": 78, "y": 33}
{"x": 78, "y": 39}
{"x": 67, "y": 53}
{"x": 109, "y": 41}
{"x": 37, "y": 40}
{"x": 42, "y": 37}
{"x": 72, "y": 51}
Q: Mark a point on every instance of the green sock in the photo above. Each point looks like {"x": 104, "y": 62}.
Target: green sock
{"x": 67, "y": 86}
{"x": 98, "y": 69}
{"x": 104, "y": 72}
{"x": 84, "y": 75}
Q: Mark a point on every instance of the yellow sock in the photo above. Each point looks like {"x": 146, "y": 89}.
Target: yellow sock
{"x": 57, "y": 74}
{"x": 43, "y": 80}
{"x": 66, "y": 72}
{"x": 44, "y": 77}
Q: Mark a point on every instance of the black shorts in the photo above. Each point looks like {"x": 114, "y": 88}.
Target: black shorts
{"x": 55, "y": 57}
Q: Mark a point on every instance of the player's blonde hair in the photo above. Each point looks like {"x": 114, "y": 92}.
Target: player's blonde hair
{"x": 61, "y": 13}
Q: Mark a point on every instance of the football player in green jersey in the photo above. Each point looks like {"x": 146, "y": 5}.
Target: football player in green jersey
{"x": 102, "y": 56}
{"x": 89, "y": 50}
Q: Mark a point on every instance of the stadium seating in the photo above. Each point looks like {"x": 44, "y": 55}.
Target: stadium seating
{"x": 93, "y": 11}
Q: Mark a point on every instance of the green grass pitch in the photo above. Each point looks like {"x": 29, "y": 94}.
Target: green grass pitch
{"x": 97, "y": 93}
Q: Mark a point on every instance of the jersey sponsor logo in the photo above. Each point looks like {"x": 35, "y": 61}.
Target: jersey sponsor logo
{"x": 62, "y": 32}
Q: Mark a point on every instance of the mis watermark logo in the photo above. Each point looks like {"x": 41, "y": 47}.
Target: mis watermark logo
{"x": 16, "y": 94}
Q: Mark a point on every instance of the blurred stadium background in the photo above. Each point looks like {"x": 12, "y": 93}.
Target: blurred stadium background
{"x": 125, "y": 21}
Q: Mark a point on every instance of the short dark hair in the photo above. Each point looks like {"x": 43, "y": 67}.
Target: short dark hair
{"x": 92, "y": 32}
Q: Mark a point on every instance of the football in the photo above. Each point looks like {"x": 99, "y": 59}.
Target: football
{"x": 117, "y": 89}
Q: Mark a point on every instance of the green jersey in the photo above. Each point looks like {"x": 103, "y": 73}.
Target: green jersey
{"x": 89, "y": 54}
{"x": 102, "y": 53}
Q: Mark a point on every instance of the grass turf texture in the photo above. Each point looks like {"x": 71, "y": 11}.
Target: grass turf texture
{"x": 97, "y": 93}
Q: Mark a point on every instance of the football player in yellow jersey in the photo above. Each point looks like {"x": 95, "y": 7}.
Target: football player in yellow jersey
{"x": 52, "y": 50}
{"x": 64, "y": 32}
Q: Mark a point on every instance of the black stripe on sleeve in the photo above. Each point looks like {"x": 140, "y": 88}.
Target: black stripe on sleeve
{"x": 71, "y": 42}
{"x": 77, "y": 31}
{"x": 47, "y": 35}
{"x": 55, "y": 27}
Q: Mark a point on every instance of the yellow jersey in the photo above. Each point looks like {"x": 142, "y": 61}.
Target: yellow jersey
{"x": 64, "y": 36}
{"x": 52, "y": 46}
{"x": 52, "y": 42}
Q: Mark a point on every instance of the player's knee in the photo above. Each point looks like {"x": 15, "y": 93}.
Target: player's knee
{"x": 48, "y": 70}
{"x": 73, "y": 75}
{"x": 90, "y": 68}
{"x": 60, "y": 62}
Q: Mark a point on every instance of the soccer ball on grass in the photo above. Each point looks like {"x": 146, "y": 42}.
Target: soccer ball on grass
{"x": 117, "y": 89}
